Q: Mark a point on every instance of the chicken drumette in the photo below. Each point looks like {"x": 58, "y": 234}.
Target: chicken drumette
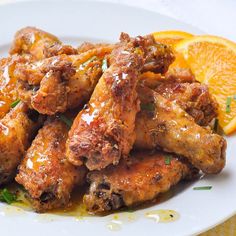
{"x": 104, "y": 130}
{"x": 162, "y": 123}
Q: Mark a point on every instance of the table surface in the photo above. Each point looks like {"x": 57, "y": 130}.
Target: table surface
{"x": 214, "y": 17}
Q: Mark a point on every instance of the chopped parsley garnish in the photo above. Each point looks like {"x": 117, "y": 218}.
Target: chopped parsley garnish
{"x": 168, "y": 159}
{"x": 7, "y": 196}
{"x": 104, "y": 64}
{"x": 15, "y": 103}
{"x": 66, "y": 120}
{"x": 203, "y": 188}
{"x": 228, "y": 103}
{"x": 89, "y": 60}
{"x": 148, "y": 107}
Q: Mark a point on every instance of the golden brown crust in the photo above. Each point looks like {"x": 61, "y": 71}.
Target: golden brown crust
{"x": 194, "y": 98}
{"x": 8, "y": 90}
{"x": 62, "y": 82}
{"x": 45, "y": 172}
{"x": 180, "y": 86}
{"x": 16, "y": 132}
{"x": 135, "y": 180}
{"x": 169, "y": 127}
{"x": 104, "y": 130}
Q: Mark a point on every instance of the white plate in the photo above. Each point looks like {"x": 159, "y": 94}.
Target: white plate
{"x": 78, "y": 21}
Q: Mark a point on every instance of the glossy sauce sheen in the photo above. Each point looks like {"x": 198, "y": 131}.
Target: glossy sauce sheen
{"x": 77, "y": 211}
{"x": 7, "y": 85}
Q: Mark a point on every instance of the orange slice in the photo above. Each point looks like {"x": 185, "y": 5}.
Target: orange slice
{"x": 213, "y": 61}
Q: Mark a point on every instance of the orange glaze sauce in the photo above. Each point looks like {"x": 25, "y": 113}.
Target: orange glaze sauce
{"x": 37, "y": 159}
{"x": 7, "y": 84}
{"x": 77, "y": 210}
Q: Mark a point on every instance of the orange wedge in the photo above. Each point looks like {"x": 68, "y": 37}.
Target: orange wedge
{"x": 213, "y": 61}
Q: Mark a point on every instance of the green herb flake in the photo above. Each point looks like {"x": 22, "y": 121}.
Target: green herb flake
{"x": 89, "y": 60}
{"x": 168, "y": 159}
{"x": 66, "y": 120}
{"x": 7, "y": 196}
{"x": 15, "y": 103}
{"x": 234, "y": 97}
{"x": 104, "y": 65}
{"x": 148, "y": 107}
{"x": 228, "y": 103}
{"x": 203, "y": 188}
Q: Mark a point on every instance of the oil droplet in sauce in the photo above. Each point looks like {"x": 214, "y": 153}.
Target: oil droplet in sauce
{"x": 12, "y": 210}
{"x": 114, "y": 225}
{"x": 118, "y": 220}
{"x": 46, "y": 218}
{"x": 163, "y": 216}
{"x": 77, "y": 209}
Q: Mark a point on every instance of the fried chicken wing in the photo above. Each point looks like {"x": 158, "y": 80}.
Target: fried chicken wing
{"x": 62, "y": 82}
{"x": 45, "y": 172}
{"x": 140, "y": 178}
{"x": 17, "y": 129}
{"x": 39, "y": 44}
{"x": 163, "y": 124}
{"x": 104, "y": 130}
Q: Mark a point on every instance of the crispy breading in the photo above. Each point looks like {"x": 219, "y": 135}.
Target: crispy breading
{"x": 190, "y": 95}
{"x": 194, "y": 98}
{"x": 140, "y": 178}
{"x": 17, "y": 130}
{"x": 62, "y": 82}
{"x": 45, "y": 172}
{"x": 8, "y": 91}
{"x": 163, "y": 124}
{"x": 104, "y": 130}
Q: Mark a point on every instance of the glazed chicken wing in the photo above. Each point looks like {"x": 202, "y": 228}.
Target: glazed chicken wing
{"x": 45, "y": 172}
{"x": 17, "y": 129}
{"x": 163, "y": 124}
{"x": 135, "y": 180}
{"x": 104, "y": 130}
{"x": 62, "y": 82}
{"x": 39, "y": 44}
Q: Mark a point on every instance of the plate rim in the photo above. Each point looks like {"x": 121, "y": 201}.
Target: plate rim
{"x": 13, "y": 3}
